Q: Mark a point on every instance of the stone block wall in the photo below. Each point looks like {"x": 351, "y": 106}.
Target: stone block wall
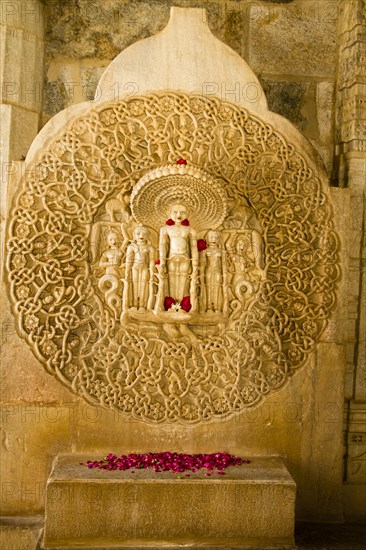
{"x": 62, "y": 48}
{"x": 291, "y": 46}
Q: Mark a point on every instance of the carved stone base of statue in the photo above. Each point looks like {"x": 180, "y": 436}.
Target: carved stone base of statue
{"x": 252, "y": 506}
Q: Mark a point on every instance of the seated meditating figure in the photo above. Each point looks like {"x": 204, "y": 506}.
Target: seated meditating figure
{"x": 138, "y": 293}
{"x": 178, "y": 259}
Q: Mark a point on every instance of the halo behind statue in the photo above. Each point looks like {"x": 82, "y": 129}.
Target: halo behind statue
{"x": 202, "y": 194}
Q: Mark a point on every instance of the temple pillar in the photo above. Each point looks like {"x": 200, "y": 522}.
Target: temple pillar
{"x": 351, "y": 155}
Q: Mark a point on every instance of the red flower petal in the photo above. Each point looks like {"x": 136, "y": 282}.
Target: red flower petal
{"x": 170, "y": 222}
{"x": 181, "y": 161}
{"x": 201, "y": 245}
{"x": 186, "y": 303}
{"x": 167, "y": 461}
{"x": 168, "y": 302}
{"x": 185, "y": 222}
{"x": 157, "y": 262}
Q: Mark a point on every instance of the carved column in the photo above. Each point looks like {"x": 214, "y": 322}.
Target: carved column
{"x": 351, "y": 154}
{"x": 351, "y": 94}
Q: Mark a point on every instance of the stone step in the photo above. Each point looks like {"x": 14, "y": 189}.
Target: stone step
{"x": 20, "y": 533}
{"x": 252, "y": 506}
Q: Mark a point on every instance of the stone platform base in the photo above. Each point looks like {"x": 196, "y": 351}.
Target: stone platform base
{"x": 252, "y": 506}
{"x": 20, "y": 533}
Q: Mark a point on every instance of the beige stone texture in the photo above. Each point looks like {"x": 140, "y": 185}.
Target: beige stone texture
{"x": 355, "y": 442}
{"x": 309, "y": 106}
{"x": 341, "y": 331}
{"x": 20, "y": 533}
{"x": 21, "y": 76}
{"x": 21, "y": 378}
{"x": 69, "y": 82}
{"x": 356, "y": 337}
{"x": 18, "y": 129}
{"x": 351, "y": 167}
{"x": 106, "y": 28}
{"x": 325, "y": 110}
{"x": 354, "y": 501}
{"x": 17, "y": 538}
{"x": 302, "y": 423}
{"x": 310, "y": 29}
{"x": 323, "y": 457}
{"x": 53, "y": 126}
{"x": 360, "y": 382}
{"x": 341, "y": 205}
{"x": 325, "y": 120}
{"x": 289, "y": 424}
{"x": 32, "y": 435}
{"x": 186, "y": 42}
{"x": 25, "y": 16}
{"x": 251, "y": 506}
{"x": 11, "y": 175}
{"x": 219, "y": 72}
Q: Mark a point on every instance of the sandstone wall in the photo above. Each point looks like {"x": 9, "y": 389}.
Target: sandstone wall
{"x": 292, "y": 47}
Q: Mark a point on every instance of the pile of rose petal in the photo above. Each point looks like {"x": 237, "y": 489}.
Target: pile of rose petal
{"x": 178, "y": 463}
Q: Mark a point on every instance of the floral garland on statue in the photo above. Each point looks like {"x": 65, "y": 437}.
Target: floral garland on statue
{"x": 178, "y": 463}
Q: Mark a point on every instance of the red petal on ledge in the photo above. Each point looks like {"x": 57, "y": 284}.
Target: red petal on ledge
{"x": 168, "y": 302}
{"x": 181, "y": 161}
{"x": 186, "y": 303}
{"x": 168, "y": 461}
{"x": 185, "y": 222}
{"x": 170, "y": 222}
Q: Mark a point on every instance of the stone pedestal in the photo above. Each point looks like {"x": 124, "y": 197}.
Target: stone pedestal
{"x": 252, "y": 506}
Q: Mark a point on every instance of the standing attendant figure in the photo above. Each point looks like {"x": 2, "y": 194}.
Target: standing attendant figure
{"x": 212, "y": 272}
{"x": 139, "y": 271}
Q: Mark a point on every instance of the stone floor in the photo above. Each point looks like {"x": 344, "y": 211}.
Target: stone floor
{"x": 317, "y": 536}
{"x": 309, "y": 536}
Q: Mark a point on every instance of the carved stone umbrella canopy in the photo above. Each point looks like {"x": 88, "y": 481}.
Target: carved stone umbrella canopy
{"x": 76, "y": 255}
{"x": 156, "y": 191}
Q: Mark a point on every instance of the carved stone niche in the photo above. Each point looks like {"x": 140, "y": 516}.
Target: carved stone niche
{"x": 172, "y": 257}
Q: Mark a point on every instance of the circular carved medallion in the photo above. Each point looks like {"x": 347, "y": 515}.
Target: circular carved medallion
{"x": 182, "y": 319}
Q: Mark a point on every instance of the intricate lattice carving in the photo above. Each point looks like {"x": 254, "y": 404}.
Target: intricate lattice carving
{"x": 270, "y": 268}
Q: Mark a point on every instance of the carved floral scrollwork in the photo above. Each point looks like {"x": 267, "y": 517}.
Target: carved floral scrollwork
{"x": 88, "y": 277}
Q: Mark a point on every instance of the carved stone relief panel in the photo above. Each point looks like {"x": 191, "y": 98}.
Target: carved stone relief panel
{"x": 172, "y": 257}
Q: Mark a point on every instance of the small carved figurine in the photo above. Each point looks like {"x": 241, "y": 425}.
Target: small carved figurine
{"x": 112, "y": 256}
{"x": 139, "y": 271}
{"x": 239, "y": 260}
{"x": 110, "y": 282}
{"x": 212, "y": 264}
